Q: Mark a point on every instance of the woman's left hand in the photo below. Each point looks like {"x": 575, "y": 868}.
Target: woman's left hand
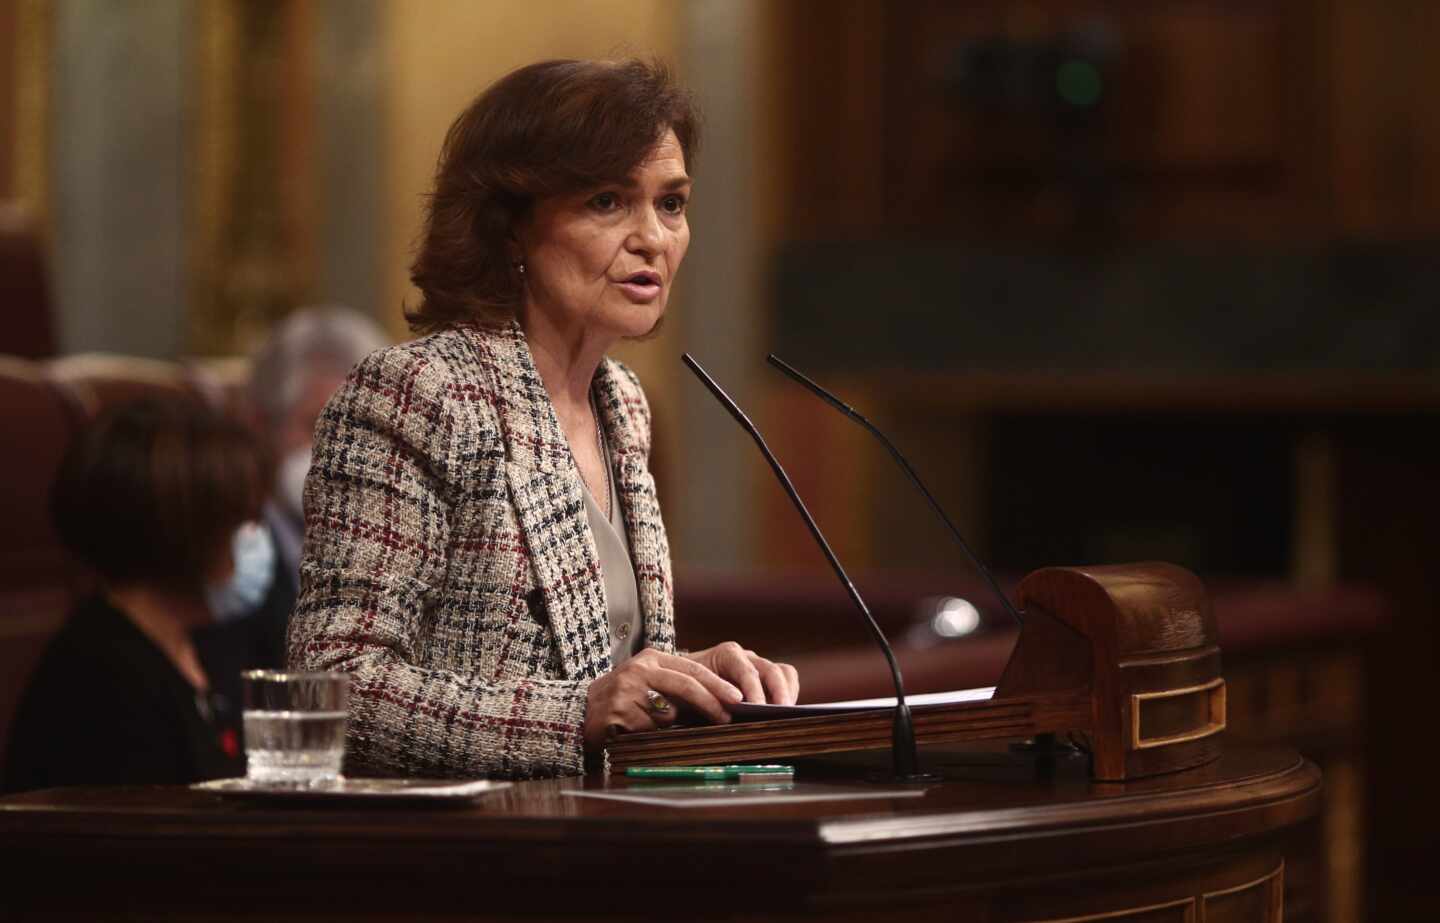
{"x": 762, "y": 681}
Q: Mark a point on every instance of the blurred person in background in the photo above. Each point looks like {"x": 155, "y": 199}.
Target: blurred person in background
{"x": 160, "y": 499}
{"x": 300, "y": 364}
{"x": 294, "y": 372}
{"x": 484, "y": 551}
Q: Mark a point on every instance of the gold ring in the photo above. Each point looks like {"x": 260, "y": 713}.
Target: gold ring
{"x": 656, "y": 702}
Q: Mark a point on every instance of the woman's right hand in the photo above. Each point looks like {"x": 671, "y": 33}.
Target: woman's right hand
{"x": 620, "y": 700}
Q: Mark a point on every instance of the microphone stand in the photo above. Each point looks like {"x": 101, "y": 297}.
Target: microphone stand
{"x": 1045, "y": 746}
{"x": 855, "y": 415}
{"x": 905, "y": 756}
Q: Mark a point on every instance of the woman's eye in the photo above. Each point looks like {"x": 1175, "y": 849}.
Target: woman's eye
{"x": 605, "y": 201}
{"x": 673, "y": 204}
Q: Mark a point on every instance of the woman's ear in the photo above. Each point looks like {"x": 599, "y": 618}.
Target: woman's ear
{"x": 514, "y": 253}
{"x": 515, "y": 238}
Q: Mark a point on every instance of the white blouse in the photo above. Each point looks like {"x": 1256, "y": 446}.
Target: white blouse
{"x": 622, "y": 597}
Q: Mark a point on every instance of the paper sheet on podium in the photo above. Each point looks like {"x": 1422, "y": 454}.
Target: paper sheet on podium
{"x": 747, "y": 712}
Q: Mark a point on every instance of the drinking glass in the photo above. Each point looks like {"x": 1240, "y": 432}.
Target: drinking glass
{"x": 295, "y": 727}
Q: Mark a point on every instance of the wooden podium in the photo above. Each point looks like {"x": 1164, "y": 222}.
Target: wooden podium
{"x": 997, "y": 841}
{"x": 1124, "y": 657}
{"x": 1158, "y": 826}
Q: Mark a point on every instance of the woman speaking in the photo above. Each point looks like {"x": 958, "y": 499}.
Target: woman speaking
{"x": 484, "y": 552}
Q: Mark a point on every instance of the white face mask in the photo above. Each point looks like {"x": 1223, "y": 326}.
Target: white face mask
{"x": 290, "y": 482}
{"x": 245, "y": 590}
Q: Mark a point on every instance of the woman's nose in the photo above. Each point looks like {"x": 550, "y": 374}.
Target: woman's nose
{"x": 646, "y": 235}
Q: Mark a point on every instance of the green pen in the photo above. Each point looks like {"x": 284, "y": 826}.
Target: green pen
{"x": 733, "y": 772}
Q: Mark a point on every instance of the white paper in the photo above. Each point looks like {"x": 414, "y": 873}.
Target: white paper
{"x": 719, "y": 794}
{"x": 746, "y": 710}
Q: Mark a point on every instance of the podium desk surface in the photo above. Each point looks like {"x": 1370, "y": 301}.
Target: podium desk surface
{"x": 997, "y": 837}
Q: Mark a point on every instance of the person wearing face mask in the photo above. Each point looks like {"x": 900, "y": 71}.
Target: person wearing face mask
{"x": 301, "y": 363}
{"x": 293, "y": 373}
{"x": 159, "y": 499}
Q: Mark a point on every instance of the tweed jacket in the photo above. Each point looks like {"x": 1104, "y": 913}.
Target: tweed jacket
{"x": 448, "y": 563}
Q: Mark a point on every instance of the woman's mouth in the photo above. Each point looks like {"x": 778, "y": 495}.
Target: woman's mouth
{"x": 641, "y": 287}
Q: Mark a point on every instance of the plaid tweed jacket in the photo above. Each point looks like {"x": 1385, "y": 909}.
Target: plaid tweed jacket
{"x": 449, "y": 566}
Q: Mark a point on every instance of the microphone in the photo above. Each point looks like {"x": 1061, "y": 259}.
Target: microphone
{"x": 905, "y": 756}
{"x": 854, "y": 414}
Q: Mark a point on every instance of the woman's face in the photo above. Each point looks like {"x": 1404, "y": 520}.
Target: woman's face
{"x": 603, "y": 260}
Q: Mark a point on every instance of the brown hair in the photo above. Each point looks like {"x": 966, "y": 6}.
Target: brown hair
{"x": 152, "y": 492}
{"x": 550, "y": 128}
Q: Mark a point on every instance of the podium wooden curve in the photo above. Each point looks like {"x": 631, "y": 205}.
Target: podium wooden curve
{"x": 1126, "y": 657}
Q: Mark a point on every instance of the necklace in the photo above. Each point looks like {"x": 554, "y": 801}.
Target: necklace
{"x": 604, "y": 456}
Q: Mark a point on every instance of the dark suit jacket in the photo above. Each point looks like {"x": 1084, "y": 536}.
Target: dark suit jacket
{"x": 106, "y": 707}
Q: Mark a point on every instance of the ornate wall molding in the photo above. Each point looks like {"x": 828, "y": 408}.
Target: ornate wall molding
{"x": 31, "y": 157}
{"x": 251, "y": 262}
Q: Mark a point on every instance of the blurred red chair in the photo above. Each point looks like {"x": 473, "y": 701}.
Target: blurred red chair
{"x": 43, "y": 404}
{"x": 37, "y": 579}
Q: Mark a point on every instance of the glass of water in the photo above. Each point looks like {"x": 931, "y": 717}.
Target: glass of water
{"x": 295, "y": 727}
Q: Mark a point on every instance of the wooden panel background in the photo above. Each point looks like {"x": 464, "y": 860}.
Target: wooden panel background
{"x": 1271, "y": 124}
{"x": 1274, "y": 120}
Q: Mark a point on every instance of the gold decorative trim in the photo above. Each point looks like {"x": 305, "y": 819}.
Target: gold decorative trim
{"x": 1187, "y": 903}
{"x": 1277, "y": 903}
{"x": 1279, "y": 870}
{"x": 1216, "y": 688}
{"x": 217, "y": 53}
{"x": 1159, "y": 660}
{"x": 35, "y": 21}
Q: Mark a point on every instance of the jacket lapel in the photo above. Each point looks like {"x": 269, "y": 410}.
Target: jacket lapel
{"x": 551, "y": 511}
{"x": 546, "y": 494}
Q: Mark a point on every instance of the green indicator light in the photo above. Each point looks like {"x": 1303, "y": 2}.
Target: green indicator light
{"x": 1078, "y": 82}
